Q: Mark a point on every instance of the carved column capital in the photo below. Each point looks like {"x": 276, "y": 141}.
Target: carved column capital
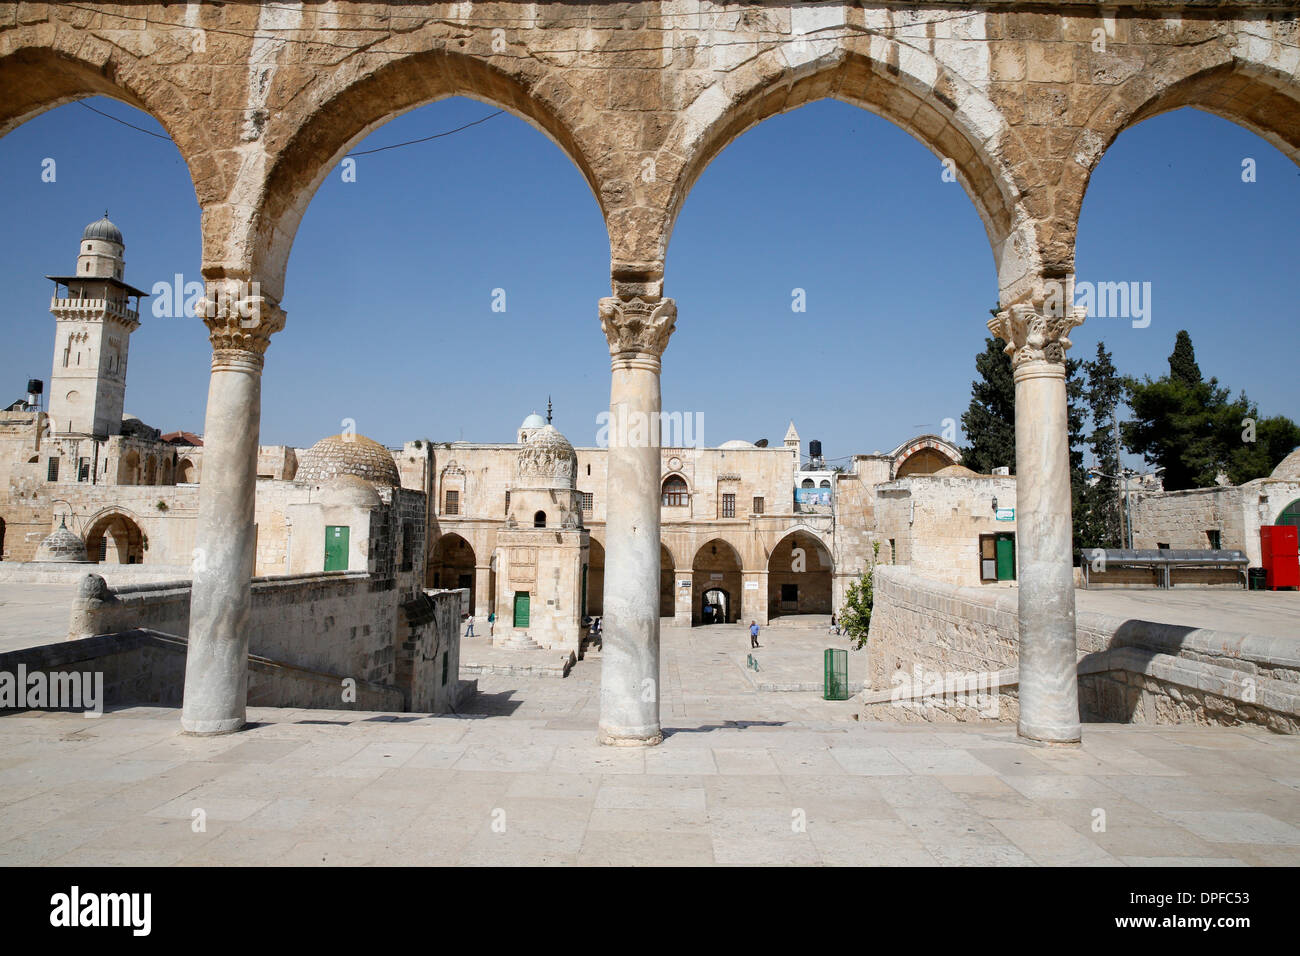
{"x": 1035, "y": 336}
{"x": 240, "y": 322}
{"x": 637, "y": 327}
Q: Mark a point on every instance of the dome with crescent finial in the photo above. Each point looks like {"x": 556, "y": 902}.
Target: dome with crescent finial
{"x": 546, "y": 460}
{"x": 103, "y": 229}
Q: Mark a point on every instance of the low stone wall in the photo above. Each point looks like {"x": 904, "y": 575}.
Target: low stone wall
{"x": 146, "y": 667}
{"x": 1129, "y": 670}
{"x": 332, "y": 621}
{"x": 117, "y": 575}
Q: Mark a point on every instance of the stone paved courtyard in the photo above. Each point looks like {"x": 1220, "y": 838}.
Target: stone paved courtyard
{"x": 743, "y": 777}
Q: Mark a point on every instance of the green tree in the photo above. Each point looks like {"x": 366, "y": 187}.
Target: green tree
{"x": 855, "y": 617}
{"x": 1075, "y": 399}
{"x": 990, "y": 421}
{"x": 1192, "y": 429}
{"x": 1100, "y": 518}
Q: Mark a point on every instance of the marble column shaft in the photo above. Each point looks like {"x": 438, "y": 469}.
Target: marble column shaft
{"x": 1048, "y": 689}
{"x": 637, "y": 331}
{"x": 216, "y": 662}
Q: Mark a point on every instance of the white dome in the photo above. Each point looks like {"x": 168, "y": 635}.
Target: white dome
{"x": 533, "y": 421}
{"x": 737, "y": 443}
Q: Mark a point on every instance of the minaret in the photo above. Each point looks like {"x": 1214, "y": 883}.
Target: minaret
{"x": 93, "y": 325}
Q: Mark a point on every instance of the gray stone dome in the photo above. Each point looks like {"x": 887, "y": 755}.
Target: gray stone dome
{"x": 348, "y": 455}
{"x": 105, "y": 230}
{"x": 351, "y": 491}
{"x": 1288, "y": 467}
{"x": 546, "y": 460}
{"x": 534, "y": 421}
{"x": 63, "y": 546}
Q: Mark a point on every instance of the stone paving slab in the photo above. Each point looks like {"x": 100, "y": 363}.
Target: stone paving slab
{"x": 479, "y": 790}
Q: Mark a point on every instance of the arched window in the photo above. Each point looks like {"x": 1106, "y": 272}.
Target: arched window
{"x": 808, "y": 483}
{"x": 675, "y": 493}
{"x": 1290, "y": 514}
{"x": 825, "y": 483}
{"x": 539, "y": 520}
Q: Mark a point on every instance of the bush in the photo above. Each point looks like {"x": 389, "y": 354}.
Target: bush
{"x": 855, "y": 618}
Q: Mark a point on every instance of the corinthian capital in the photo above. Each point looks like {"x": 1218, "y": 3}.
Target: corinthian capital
{"x": 238, "y": 317}
{"x": 1033, "y": 336}
{"x": 635, "y": 325}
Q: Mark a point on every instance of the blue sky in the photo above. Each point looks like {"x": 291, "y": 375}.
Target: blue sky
{"x": 390, "y": 284}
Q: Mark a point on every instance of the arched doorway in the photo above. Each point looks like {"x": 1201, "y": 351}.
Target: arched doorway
{"x": 716, "y": 582}
{"x": 596, "y": 579}
{"x": 115, "y": 539}
{"x": 667, "y": 584}
{"x": 451, "y": 565}
{"x": 1290, "y": 515}
{"x": 185, "y": 472}
{"x": 799, "y": 575}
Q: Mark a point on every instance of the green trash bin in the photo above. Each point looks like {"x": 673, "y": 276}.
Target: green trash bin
{"x": 835, "y": 671}
{"x": 1257, "y": 578}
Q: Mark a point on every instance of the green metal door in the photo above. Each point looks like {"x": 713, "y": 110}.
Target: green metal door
{"x": 521, "y": 609}
{"x": 336, "y": 547}
{"x": 1006, "y": 557}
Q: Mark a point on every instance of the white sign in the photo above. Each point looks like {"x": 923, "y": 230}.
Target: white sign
{"x": 715, "y": 576}
{"x": 683, "y": 584}
{"x": 1005, "y": 514}
{"x": 751, "y": 585}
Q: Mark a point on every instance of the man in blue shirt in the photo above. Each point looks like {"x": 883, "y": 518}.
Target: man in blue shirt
{"x": 753, "y": 634}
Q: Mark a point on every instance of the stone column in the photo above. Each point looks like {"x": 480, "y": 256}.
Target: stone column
{"x": 683, "y": 598}
{"x": 240, "y": 326}
{"x": 482, "y": 591}
{"x": 1049, "y": 692}
{"x": 637, "y": 329}
{"x": 753, "y": 603}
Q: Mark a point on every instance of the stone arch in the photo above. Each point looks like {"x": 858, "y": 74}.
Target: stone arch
{"x": 717, "y": 565}
{"x": 1252, "y": 95}
{"x": 897, "y": 82}
{"x": 675, "y": 491}
{"x": 667, "y": 579}
{"x": 923, "y": 455}
{"x": 150, "y": 471}
{"x": 113, "y": 537}
{"x": 800, "y": 575}
{"x": 451, "y": 564}
{"x": 349, "y": 104}
{"x": 128, "y": 468}
{"x": 595, "y": 577}
{"x": 186, "y": 472}
{"x": 41, "y": 69}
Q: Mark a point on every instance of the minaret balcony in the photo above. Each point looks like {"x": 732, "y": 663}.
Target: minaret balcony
{"x": 70, "y": 308}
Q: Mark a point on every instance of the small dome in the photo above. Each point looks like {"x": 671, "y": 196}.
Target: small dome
{"x": 105, "y": 230}
{"x": 62, "y": 545}
{"x": 533, "y": 421}
{"x": 546, "y": 460}
{"x": 351, "y": 491}
{"x": 1288, "y": 467}
{"x": 348, "y": 455}
{"x": 737, "y": 443}
{"x": 955, "y": 471}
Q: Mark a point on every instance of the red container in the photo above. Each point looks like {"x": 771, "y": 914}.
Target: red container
{"x": 1281, "y": 547}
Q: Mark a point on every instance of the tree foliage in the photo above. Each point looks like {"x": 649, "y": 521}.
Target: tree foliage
{"x": 990, "y": 422}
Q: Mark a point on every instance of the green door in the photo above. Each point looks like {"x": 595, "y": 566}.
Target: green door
{"x": 1006, "y": 557}
{"x": 521, "y": 609}
{"x": 336, "y": 547}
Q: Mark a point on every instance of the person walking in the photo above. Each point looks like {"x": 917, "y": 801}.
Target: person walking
{"x": 492, "y": 621}
{"x": 469, "y": 627}
{"x": 753, "y": 634}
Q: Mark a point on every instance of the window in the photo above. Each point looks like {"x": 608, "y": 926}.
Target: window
{"x": 539, "y": 520}
{"x": 588, "y": 499}
{"x": 675, "y": 494}
{"x": 1162, "y": 545}
{"x": 103, "y": 549}
{"x": 444, "y": 667}
{"x": 893, "y": 552}
{"x": 789, "y": 594}
{"x": 408, "y": 545}
{"x": 1215, "y": 540}
{"x": 83, "y": 469}
{"x": 507, "y": 502}
{"x": 808, "y": 483}
{"x": 728, "y": 506}
{"x": 52, "y": 474}
{"x": 825, "y": 483}
{"x": 453, "y": 503}
{"x": 758, "y": 506}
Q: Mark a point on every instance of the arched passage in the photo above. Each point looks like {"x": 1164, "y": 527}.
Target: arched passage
{"x": 596, "y": 579}
{"x": 451, "y": 565}
{"x": 716, "y": 583}
{"x": 114, "y": 538}
{"x": 799, "y": 576}
{"x": 667, "y": 583}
